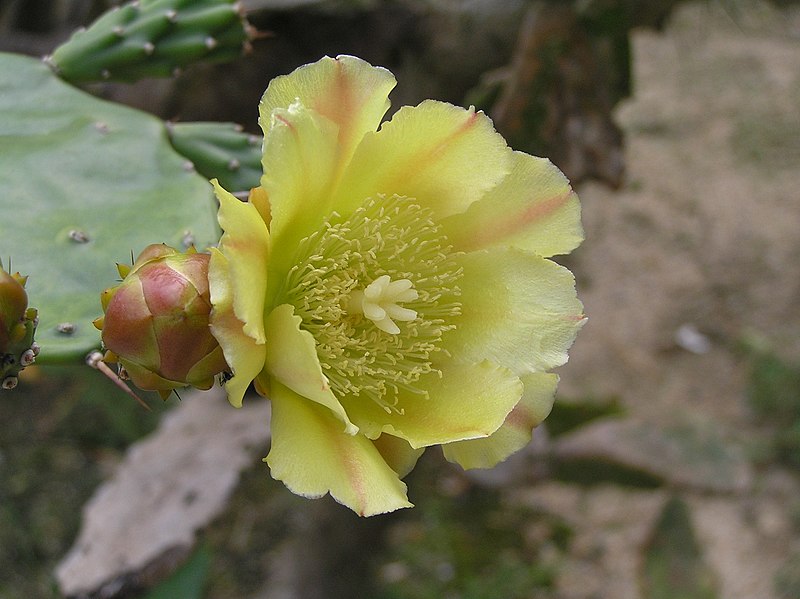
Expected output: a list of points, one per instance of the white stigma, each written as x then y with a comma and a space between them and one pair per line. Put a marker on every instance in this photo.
379, 302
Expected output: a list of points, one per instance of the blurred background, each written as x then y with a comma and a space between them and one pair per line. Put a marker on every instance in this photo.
669, 466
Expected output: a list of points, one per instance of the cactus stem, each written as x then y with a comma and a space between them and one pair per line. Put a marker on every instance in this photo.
78, 236
65, 328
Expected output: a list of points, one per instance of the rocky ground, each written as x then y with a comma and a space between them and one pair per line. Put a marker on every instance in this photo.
682, 272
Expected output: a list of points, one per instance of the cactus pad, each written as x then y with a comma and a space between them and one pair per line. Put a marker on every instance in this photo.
220, 151
85, 184
152, 38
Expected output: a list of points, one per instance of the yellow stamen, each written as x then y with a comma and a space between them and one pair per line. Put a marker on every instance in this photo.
348, 283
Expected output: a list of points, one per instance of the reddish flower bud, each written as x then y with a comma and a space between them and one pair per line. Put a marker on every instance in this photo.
17, 327
156, 321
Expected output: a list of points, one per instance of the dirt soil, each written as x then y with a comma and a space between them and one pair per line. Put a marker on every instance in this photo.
704, 238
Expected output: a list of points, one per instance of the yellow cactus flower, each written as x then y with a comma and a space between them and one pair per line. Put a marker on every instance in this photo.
388, 285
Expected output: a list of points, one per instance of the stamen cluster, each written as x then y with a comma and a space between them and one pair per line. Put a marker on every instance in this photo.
387, 246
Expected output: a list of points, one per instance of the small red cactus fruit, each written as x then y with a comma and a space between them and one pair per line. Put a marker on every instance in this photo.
156, 322
17, 327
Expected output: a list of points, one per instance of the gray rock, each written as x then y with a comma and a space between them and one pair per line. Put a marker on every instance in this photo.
142, 522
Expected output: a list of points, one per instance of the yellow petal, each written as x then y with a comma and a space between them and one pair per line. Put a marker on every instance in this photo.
299, 160
533, 208
444, 156
468, 401
400, 456
517, 309
291, 359
517, 430
312, 456
245, 244
244, 355
345, 90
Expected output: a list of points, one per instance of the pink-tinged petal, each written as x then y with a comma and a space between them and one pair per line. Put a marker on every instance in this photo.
533, 208
291, 359
346, 90
312, 456
517, 309
245, 244
400, 456
444, 156
517, 430
300, 158
128, 326
244, 355
468, 401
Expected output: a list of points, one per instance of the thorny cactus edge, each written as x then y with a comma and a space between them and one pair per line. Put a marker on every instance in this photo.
156, 322
17, 328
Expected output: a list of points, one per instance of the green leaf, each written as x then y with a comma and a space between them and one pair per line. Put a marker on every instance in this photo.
85, 183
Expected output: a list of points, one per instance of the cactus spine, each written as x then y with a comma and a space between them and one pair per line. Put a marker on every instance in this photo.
152, 39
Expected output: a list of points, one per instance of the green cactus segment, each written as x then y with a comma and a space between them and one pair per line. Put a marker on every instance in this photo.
85, 184
152, 39
220, 151
19, 353
17, 328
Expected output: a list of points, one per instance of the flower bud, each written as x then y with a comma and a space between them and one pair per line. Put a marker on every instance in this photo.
156, 321
17, 327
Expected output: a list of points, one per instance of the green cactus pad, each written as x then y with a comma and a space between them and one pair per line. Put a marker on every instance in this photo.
152, 39
85, 183
220, 151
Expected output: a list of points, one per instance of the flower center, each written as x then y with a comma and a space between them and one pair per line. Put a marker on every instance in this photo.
377, 290
379, 302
